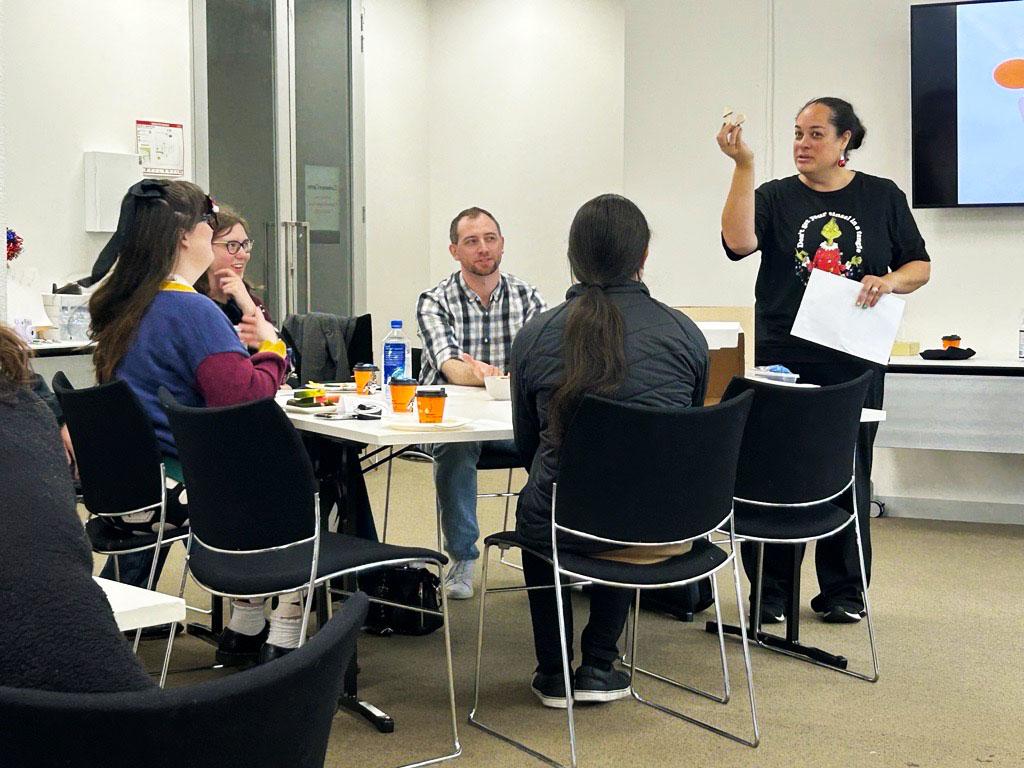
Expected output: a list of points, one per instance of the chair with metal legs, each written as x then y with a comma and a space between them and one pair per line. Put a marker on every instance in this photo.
794, 468
614, 491
121, 469
256, 528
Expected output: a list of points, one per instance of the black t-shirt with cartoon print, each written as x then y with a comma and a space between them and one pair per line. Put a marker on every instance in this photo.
865, 228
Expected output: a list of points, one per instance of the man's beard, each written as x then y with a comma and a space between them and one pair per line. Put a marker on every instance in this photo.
484, 272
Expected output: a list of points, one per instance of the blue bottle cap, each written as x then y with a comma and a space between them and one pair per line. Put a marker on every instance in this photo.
396, 323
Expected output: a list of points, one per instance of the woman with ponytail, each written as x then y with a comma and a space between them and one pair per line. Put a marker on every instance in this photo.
608, 338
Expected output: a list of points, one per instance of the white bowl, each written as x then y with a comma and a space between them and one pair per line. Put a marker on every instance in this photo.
498, 387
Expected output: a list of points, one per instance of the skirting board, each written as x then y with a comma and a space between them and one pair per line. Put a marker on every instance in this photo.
953, 509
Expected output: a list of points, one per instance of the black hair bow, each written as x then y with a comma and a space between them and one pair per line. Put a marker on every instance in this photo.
145, 189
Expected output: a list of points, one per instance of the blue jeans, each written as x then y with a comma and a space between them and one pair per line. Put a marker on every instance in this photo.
455, 483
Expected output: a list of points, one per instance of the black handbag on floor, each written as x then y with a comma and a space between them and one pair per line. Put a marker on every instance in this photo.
682, 602
411, 586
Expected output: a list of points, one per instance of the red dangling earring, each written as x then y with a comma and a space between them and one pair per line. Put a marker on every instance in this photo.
842, 162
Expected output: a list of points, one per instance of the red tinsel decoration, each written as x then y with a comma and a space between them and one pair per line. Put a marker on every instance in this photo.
13, 245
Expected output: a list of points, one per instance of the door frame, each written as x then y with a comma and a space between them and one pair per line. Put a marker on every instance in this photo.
284, 128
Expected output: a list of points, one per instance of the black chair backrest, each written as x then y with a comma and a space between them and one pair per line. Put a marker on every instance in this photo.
638, 474
799, 442
115, 447
214, 724
250, 482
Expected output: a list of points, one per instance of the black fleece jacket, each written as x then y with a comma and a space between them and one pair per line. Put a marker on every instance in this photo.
57, 632
668, 367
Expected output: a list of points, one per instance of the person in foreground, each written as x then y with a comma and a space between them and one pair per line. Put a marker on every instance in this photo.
58, 633
609, 338
153, 329
467, 323
847, 223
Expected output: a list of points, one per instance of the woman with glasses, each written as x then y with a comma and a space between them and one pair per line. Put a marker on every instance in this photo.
224, 281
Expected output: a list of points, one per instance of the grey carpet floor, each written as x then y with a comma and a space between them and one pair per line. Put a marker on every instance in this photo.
947, 599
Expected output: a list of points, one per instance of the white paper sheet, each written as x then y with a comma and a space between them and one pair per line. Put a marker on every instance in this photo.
24, 301
829, 316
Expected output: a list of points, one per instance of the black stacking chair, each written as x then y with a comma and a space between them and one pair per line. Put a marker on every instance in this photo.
256, 528
612, 488
214, 724
796, 464
120, 465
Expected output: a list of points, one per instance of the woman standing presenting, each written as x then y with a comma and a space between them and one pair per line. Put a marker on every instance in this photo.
845, 222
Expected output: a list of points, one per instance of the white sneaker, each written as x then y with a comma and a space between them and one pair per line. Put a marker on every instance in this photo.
458, 582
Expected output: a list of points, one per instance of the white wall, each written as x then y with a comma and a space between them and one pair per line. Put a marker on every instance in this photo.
526, 120
396, 63
78, 76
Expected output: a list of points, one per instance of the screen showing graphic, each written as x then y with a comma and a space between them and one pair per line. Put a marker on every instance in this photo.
990, 103
967, 92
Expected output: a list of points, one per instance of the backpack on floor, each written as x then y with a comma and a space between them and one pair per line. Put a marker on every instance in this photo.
402, 584
681, 602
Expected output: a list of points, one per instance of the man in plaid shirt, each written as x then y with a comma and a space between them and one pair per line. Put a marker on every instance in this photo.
467, 324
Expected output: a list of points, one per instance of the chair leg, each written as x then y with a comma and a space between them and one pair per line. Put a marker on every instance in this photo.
504, 525
559, 599
476, 679
867, 607
750, 679
387, 498
170, 637
721, 699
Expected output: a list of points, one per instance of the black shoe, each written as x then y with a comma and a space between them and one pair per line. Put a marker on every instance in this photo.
158, 632
593, 684
236, 649
270, 652
771, 614
550, 689
842, 613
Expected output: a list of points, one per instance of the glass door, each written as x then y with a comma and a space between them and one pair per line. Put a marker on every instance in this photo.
272, 98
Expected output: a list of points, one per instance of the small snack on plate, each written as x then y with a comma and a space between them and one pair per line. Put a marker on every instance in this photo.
950, 341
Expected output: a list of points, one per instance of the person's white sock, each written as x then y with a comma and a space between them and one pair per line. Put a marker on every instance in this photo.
286, 621
247, 617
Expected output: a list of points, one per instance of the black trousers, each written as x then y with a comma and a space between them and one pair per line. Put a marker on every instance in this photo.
835, 558
609, 607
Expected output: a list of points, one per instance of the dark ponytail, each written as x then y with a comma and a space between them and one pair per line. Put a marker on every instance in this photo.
607, 245
843, 119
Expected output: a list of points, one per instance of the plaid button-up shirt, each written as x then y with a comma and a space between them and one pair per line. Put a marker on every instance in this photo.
452, 320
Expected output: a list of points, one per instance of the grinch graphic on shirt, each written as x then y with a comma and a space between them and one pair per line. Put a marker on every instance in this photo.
830, 255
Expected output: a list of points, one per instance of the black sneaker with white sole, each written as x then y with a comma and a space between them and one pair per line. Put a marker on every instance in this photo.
550, 689
841, 613
771, 614
597, 685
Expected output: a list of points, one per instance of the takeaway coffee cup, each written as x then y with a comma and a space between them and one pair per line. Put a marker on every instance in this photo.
366, 376
430, 405
402, 392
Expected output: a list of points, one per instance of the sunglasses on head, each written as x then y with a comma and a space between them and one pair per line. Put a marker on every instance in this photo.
210, 217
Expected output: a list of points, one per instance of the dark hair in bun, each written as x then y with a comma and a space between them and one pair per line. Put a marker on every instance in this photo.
843, 119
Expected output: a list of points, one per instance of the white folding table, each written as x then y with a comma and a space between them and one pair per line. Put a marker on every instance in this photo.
135, 607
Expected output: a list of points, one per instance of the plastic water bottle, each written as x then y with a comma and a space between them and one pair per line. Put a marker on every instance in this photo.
62, 329
78, 324
397, 357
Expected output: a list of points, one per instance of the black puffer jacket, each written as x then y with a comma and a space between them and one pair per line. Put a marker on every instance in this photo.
668, 366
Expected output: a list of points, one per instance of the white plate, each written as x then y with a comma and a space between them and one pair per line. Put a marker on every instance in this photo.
314, 409
409, 425
343, 386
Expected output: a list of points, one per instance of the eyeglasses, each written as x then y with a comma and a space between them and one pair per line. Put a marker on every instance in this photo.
233, 246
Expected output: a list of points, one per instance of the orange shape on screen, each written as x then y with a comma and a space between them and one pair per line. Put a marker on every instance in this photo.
1010, 74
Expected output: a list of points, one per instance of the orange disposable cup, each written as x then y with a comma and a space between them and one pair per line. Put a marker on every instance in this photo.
430, 405
364, 373
950, 341
402, 393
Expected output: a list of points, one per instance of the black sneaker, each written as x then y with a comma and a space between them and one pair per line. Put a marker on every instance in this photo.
550, 689
771, 614
842, 613
236, 649
593, 684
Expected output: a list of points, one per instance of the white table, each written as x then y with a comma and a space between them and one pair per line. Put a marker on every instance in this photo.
489, 420
135, 607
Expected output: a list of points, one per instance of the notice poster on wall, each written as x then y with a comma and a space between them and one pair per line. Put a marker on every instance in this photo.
323, 202
161, 148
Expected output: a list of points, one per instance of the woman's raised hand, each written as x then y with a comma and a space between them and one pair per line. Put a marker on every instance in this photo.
255, 329
730, 141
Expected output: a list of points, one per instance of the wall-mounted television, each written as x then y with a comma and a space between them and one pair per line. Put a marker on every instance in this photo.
967, 103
